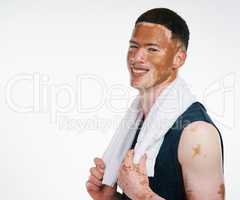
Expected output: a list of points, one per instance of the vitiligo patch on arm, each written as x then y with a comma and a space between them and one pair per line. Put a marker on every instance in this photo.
196, 150
221, 191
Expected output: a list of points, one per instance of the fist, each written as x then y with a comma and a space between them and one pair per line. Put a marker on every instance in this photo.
132, 178
94, 185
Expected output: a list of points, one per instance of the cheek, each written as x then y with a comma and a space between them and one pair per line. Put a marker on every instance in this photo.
162, 66
157, 62
130, 57
161, 61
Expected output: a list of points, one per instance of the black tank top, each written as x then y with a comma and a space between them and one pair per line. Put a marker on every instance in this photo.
168, 179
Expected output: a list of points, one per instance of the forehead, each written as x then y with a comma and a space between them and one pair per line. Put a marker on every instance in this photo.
150, 32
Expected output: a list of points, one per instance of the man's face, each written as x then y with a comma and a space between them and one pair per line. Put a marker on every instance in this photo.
150, 55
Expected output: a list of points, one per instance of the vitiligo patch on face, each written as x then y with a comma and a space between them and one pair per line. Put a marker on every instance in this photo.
146, 24
151, 48
196, 150
166, 30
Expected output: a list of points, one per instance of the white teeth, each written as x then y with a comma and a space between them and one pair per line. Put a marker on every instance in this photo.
139, 71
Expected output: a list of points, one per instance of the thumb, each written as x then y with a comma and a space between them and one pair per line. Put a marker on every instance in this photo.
143, 164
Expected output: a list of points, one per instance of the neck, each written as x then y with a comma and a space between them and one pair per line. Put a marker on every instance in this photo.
148, 96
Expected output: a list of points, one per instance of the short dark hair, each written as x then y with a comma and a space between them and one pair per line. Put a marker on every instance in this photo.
168, 19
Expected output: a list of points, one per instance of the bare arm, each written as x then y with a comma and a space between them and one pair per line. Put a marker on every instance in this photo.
200, 155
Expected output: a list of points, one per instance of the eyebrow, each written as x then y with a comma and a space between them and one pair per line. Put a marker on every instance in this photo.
147, 44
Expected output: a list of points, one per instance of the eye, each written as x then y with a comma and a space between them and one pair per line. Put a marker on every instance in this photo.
132, 46
152, 49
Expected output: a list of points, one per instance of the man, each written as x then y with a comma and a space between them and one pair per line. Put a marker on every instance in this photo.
190, 162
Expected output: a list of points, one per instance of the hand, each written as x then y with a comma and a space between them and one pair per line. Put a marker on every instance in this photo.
133, 179
94, 185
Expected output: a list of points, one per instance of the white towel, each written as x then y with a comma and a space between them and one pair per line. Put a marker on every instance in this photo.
169, 105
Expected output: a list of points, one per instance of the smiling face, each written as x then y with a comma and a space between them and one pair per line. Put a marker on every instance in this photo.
153, 56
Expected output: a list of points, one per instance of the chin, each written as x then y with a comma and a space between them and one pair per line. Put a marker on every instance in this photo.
135, 85
138, 86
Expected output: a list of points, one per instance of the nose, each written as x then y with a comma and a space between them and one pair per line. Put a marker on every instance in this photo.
139, 55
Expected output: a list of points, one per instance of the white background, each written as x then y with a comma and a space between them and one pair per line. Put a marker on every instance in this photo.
64, 86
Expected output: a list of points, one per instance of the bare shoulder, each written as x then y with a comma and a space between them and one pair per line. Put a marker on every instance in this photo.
200, 141
200, 156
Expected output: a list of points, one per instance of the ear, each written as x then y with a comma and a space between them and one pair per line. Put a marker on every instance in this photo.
179, 58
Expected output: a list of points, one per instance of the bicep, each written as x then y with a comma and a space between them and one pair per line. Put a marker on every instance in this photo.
200, 156
204, 187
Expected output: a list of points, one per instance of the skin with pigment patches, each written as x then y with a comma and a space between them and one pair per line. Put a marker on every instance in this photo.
221, 191
151, 55
190, 194
196, 150
133, 176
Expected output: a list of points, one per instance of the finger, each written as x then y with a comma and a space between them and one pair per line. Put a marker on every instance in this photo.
95, 181
99, 163
92, 187
142, 164
95, 172
128, 160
